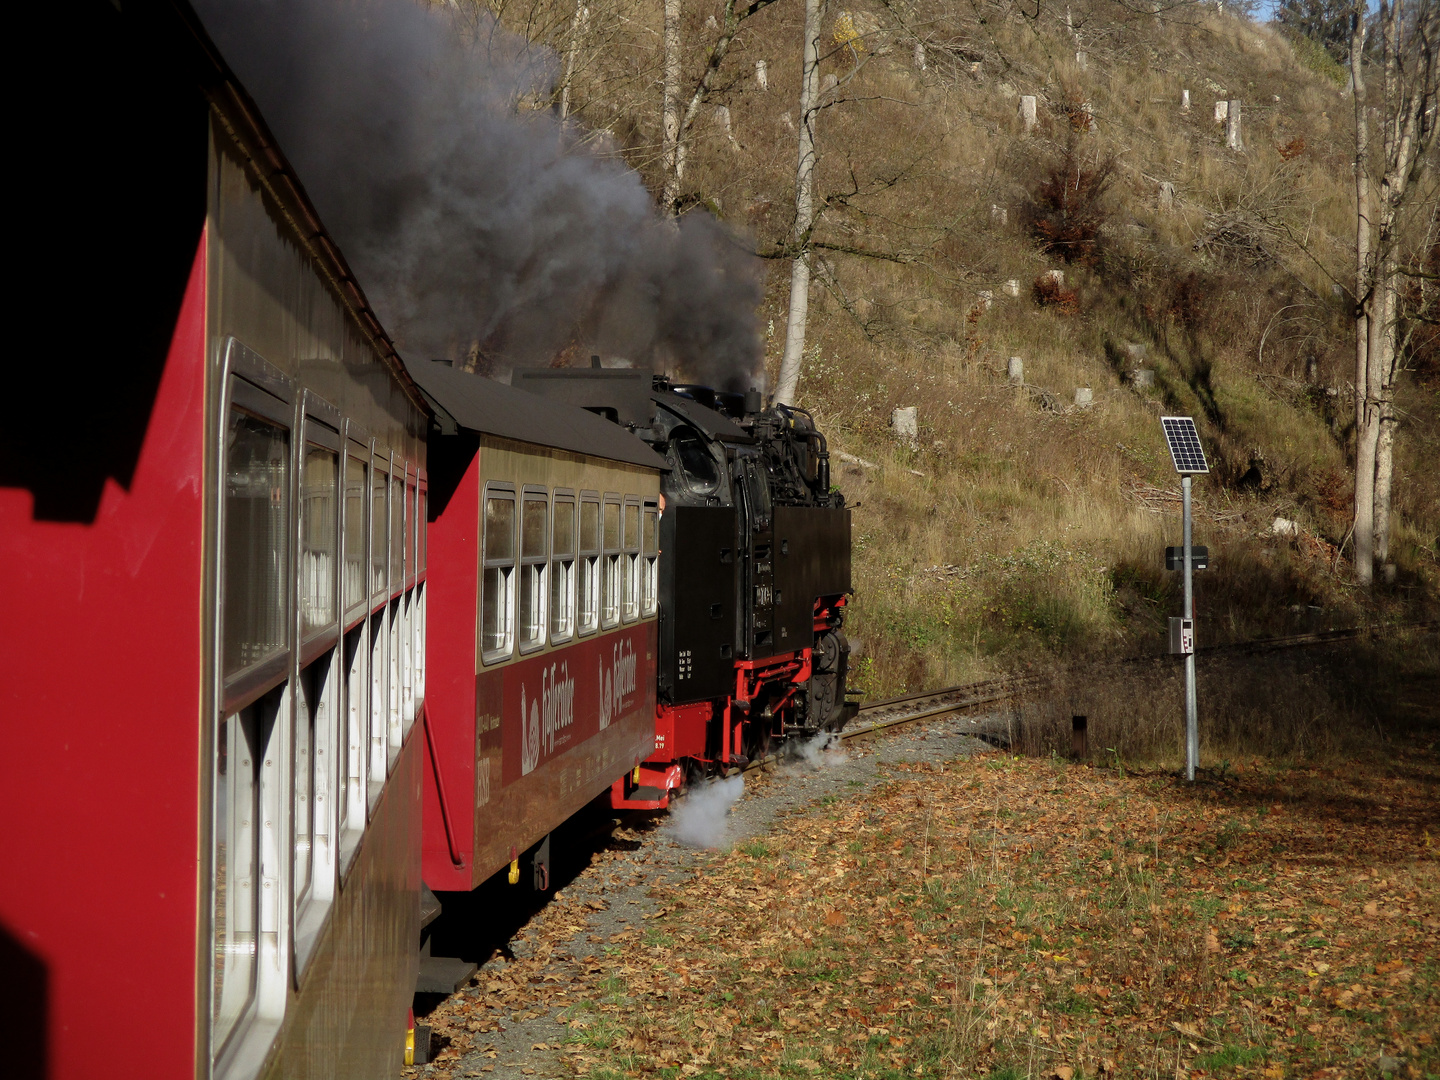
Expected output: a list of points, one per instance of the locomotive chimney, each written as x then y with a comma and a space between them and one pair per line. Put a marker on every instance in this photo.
753, 402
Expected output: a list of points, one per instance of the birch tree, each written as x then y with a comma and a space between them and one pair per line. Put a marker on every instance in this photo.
795, 324
677, 135
1406, 108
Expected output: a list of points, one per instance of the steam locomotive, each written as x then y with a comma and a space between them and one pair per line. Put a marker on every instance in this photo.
754, 578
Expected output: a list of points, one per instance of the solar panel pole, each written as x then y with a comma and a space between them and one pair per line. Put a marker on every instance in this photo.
1189, 458
1192, 722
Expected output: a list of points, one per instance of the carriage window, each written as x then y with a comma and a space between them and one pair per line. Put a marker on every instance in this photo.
649, 563
313, 875
354, 531
562, 571
319, 533
610, 568
247, 809
422, 525
257, 570
630, 565
354, 735
409, 531
397, 534
497, 593
379, 483
588, 585
379, 668
394, 677
533, 557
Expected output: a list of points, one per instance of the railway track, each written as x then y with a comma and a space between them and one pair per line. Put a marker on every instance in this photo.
909, 708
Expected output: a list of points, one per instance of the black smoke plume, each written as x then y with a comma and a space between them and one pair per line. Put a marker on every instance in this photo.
480, 227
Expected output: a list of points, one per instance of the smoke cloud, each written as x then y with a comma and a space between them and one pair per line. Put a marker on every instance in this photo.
821, 751
480, 227
698, 819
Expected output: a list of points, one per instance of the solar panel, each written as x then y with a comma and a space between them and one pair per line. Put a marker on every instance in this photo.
1185, 448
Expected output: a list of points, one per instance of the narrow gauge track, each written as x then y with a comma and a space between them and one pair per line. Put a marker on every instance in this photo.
909, 708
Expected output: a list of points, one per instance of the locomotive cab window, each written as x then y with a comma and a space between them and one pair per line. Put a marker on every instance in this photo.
588, 613
630, 563
534, 554
697, 464
562, 569
649, 568
610, 573
497, 588
758, 492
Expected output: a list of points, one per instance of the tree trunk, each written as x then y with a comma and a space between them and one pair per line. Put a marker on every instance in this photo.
572, 50
1382, 379
1384, 470
795, 325
1365, 441
671, 161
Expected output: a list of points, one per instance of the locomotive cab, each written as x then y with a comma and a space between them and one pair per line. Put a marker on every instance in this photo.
754, 572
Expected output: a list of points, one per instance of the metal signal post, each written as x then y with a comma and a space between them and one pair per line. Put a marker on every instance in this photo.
1192, 720
1189, 459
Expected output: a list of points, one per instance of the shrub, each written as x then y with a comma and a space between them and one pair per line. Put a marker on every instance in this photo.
1067, 210
1049, 292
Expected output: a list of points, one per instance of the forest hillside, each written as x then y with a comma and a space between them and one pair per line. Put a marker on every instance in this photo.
1120, 246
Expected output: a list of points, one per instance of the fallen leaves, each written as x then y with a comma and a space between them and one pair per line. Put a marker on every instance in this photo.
1065, 921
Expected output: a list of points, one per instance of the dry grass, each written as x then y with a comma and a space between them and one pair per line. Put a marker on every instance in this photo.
1316, 704
1044, 520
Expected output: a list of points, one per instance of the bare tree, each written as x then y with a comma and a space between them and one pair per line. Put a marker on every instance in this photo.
670, 110
676, 145
578, 26
789, 380
1407, 109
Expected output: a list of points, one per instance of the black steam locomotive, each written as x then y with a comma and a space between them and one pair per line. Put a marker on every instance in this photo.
754, 571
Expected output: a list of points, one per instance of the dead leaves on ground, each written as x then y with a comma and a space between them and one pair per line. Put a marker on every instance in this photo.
1045, 919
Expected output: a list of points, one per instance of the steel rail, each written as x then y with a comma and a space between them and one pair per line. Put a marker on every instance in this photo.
1007, 688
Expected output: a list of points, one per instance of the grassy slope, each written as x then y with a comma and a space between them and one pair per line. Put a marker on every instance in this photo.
1022, 531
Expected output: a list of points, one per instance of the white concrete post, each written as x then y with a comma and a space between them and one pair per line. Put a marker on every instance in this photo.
1233, 141
1028, 113
905, 421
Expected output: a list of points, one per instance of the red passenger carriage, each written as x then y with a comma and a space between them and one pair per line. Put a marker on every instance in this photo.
543, 617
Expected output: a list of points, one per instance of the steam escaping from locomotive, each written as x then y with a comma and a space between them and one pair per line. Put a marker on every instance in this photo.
698, 820
821, 751
483, 229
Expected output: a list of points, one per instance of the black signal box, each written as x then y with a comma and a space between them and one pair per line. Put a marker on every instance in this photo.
1175, 558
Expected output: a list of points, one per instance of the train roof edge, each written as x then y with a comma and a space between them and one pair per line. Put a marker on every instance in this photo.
240, 112
491, 408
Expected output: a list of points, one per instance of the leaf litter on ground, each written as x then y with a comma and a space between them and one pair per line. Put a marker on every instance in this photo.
999, 917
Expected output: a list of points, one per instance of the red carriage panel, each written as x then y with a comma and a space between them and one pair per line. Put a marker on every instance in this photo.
98, 784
